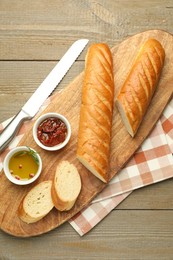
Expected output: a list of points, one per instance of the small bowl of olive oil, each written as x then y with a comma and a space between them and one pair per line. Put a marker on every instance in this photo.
22, 165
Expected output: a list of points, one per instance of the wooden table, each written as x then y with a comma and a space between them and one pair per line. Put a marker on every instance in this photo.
33, 36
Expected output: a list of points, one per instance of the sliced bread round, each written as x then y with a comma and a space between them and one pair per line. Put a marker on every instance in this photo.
37, 203
66, 186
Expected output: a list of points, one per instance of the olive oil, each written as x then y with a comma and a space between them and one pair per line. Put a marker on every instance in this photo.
23, 165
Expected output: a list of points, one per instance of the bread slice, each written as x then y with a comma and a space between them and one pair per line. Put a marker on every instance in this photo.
66, 186
37, 203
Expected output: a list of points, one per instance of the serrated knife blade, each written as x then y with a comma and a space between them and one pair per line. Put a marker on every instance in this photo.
32, 106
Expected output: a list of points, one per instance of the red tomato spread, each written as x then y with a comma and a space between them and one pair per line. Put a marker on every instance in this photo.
52, 131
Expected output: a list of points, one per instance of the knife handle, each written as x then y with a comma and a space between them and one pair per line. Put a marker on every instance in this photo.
11, 129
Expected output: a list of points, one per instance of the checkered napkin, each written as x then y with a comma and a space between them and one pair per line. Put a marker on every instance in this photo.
152, 163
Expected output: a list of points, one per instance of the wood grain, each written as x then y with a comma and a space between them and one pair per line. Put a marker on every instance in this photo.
146, 235
18, 80
63, 103
34, 30
153, 197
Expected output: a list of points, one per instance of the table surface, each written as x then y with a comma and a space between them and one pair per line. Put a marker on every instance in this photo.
33, 36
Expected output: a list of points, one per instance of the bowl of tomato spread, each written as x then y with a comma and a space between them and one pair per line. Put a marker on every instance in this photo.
52, 131
22, 165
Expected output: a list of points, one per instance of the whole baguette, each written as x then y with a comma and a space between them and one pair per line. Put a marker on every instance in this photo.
37, 203
66, 186
96, 111
137, 91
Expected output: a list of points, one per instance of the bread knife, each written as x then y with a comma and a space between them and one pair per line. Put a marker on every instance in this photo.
32, 106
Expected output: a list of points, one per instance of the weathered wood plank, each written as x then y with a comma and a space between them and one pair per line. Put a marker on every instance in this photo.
25, 76
124, 234
43, 30
155, 196
19, 79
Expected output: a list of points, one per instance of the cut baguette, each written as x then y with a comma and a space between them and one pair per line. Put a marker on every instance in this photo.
66, 186
96, 111
37, 203
137, 91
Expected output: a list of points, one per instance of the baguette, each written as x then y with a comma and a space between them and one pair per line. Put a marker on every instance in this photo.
37, 203
137, 91
66, 186
95, 122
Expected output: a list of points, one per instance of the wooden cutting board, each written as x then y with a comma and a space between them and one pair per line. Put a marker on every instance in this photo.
123, 146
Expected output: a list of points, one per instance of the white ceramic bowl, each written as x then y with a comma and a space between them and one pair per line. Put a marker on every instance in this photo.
7, 171
44, 117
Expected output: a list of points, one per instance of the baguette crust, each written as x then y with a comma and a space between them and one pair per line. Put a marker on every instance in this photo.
139, 87
96, 111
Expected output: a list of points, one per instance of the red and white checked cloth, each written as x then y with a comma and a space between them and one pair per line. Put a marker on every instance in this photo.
152, 163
